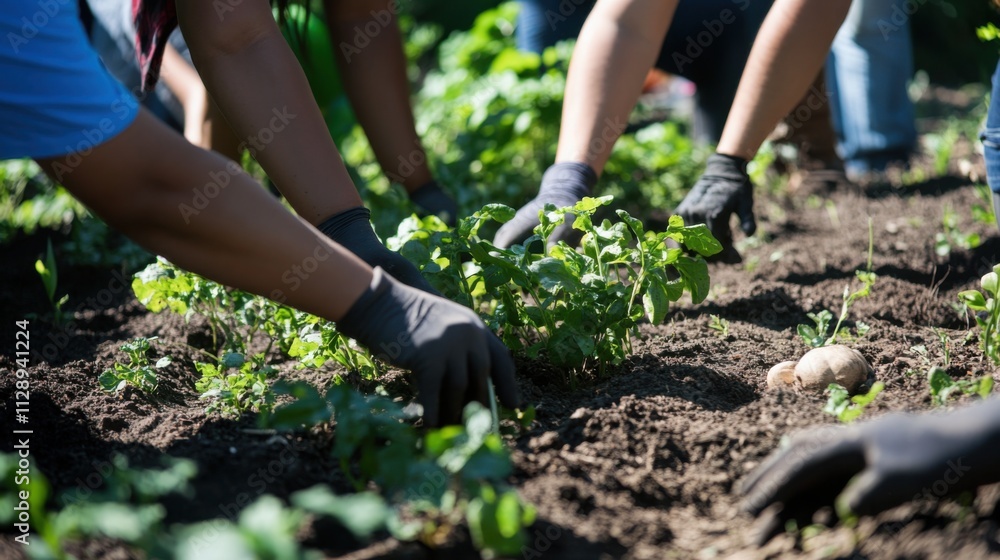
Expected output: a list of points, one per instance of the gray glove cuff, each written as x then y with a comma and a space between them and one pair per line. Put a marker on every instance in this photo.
726, 167
349, 223
567, 179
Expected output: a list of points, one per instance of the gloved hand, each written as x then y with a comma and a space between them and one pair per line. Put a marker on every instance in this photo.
563, 184
896, 458
446, 346
353, 229
723, 189
434, 201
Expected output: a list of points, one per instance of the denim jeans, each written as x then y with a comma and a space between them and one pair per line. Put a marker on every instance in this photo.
869, 65
991, 136
708, 43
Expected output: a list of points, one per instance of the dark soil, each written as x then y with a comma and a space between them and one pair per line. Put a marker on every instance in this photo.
640, 465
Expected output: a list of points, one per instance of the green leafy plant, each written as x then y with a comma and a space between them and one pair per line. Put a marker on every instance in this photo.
719, 325
847, 408
816, 336
126, 508
988, 312
235, 384
234, 381
430, 482
982, 212
137, 372
578, 308
952, 236
943, 386
47, 269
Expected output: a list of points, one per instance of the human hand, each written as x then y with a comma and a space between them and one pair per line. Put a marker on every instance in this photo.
564, 184
353, 229
452, 353
723, 189
871, 467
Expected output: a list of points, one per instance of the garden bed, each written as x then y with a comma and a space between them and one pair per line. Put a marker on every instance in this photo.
642, 464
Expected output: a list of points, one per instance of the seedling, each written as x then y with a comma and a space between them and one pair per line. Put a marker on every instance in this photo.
236, 385
987, 312
847, 408
452, 473
943, 386
952, 237
817, 336
138, 372
983, 212
719, 325
49, 273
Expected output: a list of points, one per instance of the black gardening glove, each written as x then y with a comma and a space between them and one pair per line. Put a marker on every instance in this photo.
874, 466
446, 346
353, 229
564, 184
723, 189
435, 202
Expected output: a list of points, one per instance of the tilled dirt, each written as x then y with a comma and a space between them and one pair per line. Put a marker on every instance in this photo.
642, 464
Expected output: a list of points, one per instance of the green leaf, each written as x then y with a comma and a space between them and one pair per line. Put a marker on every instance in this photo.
694, 273
553, 275
698, 238
233, 360
989, 283
656, 300
509, 514
939, 382
363, 514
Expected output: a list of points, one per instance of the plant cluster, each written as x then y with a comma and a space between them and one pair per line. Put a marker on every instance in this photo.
952, 236
987, 312
137, 372
577, 308
943, 386
847, 408
429, 483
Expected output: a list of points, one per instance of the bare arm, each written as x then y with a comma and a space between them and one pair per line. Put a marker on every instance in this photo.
789, 51
616, 48
256, 80
374, 77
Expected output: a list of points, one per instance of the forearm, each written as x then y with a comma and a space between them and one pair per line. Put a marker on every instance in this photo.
179, 76
258, 84
789, 51
616, 49
205, 214
374, 76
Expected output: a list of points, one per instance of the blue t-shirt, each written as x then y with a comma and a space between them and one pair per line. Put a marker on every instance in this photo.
55, 96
